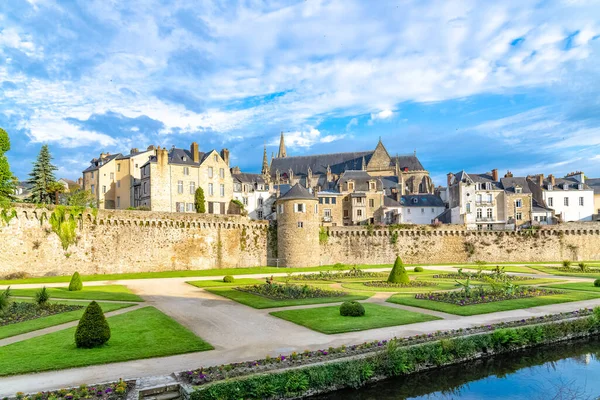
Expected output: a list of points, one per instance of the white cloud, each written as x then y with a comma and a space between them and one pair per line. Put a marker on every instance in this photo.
351, 123
384, 114
305, 138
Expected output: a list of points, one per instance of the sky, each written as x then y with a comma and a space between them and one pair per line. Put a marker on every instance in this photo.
473, 85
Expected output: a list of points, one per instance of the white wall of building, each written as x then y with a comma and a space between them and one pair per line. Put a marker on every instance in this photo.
574, 210
420, 215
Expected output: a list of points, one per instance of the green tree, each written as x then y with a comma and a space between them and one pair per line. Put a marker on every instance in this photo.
76, 284
42, 178
56, 189
398, 273
92, 330
7, 179
199, 201
81, 198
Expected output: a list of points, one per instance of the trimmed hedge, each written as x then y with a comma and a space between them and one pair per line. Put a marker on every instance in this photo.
392, 361
597, 283
398, 273
418, 269
76, 283
352, 309
228, 279
92, 330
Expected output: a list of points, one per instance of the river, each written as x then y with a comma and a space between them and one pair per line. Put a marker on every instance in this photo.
561, 372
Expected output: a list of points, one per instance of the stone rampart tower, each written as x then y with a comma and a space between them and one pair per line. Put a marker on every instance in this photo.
298, 228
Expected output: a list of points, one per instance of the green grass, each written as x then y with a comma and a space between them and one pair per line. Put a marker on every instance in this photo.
220, 283
442, 285
508, 268
260, 302
328, 319
409, 300
142, 333
108, 292
555, 271
52, 320
582, 286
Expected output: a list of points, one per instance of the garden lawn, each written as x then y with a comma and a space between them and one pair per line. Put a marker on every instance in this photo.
328, 319
475, 309
555, 271
442, 285
255, 301
108, 292
508, 268
56, 319
583, 286
220, 283
142, 333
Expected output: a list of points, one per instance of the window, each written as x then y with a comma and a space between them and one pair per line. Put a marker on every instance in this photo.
433, 210
581, 201
327, 213
550, 186
145, 187
371, 203
326, 200
186, 170
119, 183
345, 198
300, 224
179, 186
112, 176
192, 187
136, 165
478, 198
210, 189
519, 216
518, 203
489, 213
333, 199
210, 172
321, 199
345, 213
359, 213
566, 201
488, 186
535, 218
550, 201
580, 186
565, 186
518, 190
350, 186
245, 201
422, 211
92, 174
279, 208
103, 189
490, 198
180, 207
299, 208
479, 213
222, 190
259, 214
260, 201
190, 207
490, 227
93, 189
316, 208
222, 173
408, 210
543, 218
216, 158
468, 207
119, 167
118, 201
371, 185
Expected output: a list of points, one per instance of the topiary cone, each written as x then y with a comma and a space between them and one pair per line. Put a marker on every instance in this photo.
76, 283
398, 273
93, 330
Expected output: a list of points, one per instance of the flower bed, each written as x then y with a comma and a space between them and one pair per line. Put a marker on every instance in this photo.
21, 312
384, 284
572, 270
485, 295
482, 277
337, 275
202, 376
289, 291
110, 391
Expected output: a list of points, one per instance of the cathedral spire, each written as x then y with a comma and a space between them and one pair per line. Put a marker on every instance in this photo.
265, 163
282, 153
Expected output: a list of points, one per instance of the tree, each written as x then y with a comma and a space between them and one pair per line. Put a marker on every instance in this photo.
92, 330
398, 274
7, 179
81, 198
76, 284
56, 189
42, 177
199, 201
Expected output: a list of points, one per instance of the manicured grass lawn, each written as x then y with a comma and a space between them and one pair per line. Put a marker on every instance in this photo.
555, 271
263, 302
583, 286
442, 285
328, 319
57, 319
142, 333
108, 292
220, 283
409, 300
508, 268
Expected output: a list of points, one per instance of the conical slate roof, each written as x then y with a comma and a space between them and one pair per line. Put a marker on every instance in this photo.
297, 192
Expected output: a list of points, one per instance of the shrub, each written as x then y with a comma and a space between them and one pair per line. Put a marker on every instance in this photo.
566, 263
228, 279
92, 330
76, 284
5, 299
398, 273
339, 266
597, 283
17, 275
582, 266
418, 269
42, 297
352, 309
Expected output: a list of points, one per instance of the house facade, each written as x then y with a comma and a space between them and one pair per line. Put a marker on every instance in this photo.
254, 193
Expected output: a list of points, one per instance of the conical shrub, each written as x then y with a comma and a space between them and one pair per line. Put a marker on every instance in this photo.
93, 330
398, 273
76, 283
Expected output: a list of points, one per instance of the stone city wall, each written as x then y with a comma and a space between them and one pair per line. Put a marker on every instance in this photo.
115, 241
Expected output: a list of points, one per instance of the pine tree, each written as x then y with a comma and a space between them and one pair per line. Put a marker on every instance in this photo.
199, 201
92, 330
42, 178
76, 284
7, 179
398, 273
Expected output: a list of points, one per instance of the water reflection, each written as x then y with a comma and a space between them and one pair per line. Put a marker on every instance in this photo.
561, 372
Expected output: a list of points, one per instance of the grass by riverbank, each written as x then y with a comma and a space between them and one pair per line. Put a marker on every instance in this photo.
142, 333
485, 308
264, 302
108, 292
328, 319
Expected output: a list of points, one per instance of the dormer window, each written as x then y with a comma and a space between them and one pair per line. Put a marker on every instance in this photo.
518, 190
580, 186
488, 186
184, 158
371, 185
350, 186
549, 186
565, 186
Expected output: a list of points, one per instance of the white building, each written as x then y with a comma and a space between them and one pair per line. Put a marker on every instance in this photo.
253, 192
420, 209
569, 197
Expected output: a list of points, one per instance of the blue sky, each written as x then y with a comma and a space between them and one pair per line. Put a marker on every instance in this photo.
469, 85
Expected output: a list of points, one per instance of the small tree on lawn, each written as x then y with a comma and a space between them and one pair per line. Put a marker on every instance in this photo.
199, 201
398, 274
76, 284
42, 178
93, 330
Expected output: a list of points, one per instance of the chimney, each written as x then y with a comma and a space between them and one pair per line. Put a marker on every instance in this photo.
552, 180
162, 157
151, 147
579, 176
134, 151
540, 180
495, 175
80, 181
450, 176
225, 156
236, 170
195, 150
508, 174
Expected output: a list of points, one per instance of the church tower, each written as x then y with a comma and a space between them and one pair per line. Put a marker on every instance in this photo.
266, 173
282, 153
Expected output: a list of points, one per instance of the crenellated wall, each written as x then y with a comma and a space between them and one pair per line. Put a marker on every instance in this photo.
115, 241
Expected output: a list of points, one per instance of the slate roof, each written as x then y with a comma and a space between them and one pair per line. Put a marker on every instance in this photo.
297, 192
594, 184
361, 180
509, 184
573, 184
94, 163
537, 207
71, 183
182, 157
421, 200
390, 202
248, 178
478, 178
